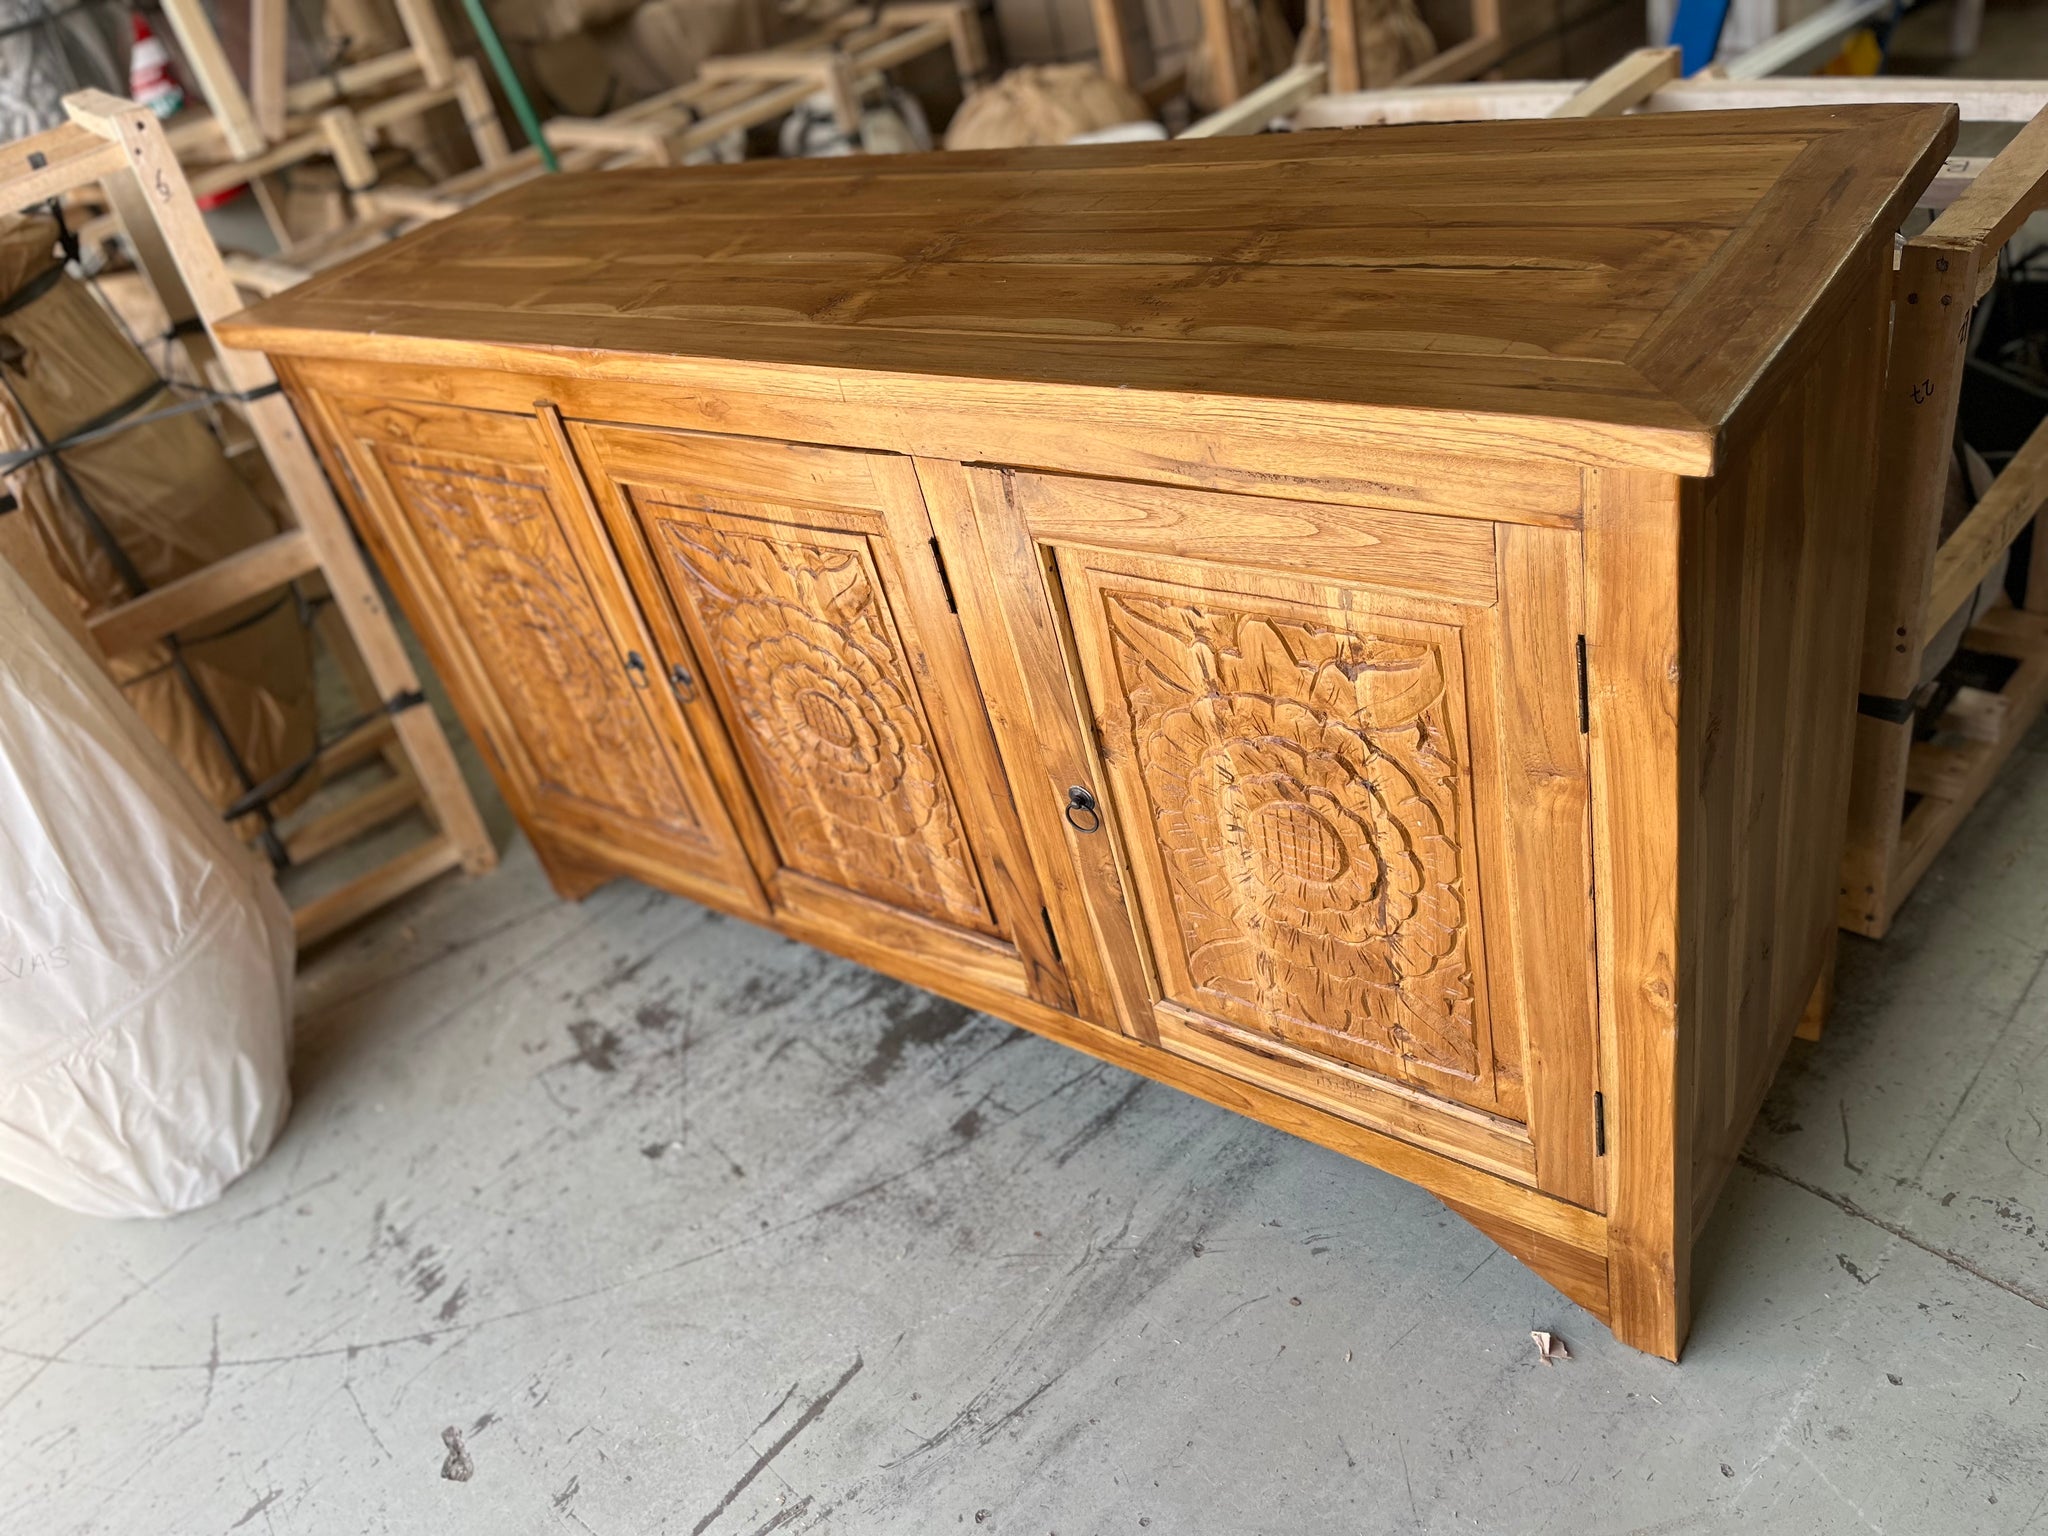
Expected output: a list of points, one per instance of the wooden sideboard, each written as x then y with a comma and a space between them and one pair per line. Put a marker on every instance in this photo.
1361, 627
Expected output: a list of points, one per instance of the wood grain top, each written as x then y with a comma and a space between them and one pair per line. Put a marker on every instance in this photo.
1608, 290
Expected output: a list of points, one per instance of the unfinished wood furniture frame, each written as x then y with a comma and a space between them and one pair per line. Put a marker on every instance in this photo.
1911, 795
122, 148
1461, 61
730, 94
247, 135
1623, 85
1425, 727
1260, 105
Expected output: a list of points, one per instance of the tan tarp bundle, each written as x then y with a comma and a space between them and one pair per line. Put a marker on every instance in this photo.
1043, 104
171, 500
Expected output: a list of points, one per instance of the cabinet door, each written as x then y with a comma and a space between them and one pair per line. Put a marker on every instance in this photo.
807, 583
1338, 752
512, 585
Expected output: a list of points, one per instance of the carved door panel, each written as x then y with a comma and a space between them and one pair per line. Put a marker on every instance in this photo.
1343, 772
512, 585
807, 583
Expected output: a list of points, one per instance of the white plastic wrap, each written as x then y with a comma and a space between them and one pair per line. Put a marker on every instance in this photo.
145, 955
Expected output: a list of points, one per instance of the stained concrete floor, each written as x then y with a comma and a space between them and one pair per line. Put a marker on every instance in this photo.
658, 1223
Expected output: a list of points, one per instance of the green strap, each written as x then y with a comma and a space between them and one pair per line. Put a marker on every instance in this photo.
501, 66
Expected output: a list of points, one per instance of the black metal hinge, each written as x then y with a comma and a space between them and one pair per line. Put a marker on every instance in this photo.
1599, 1125
1585, 695
945, 580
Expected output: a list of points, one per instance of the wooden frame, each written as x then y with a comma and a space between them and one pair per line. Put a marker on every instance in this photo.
123, 148
247, 135
1249, 110
1911, 796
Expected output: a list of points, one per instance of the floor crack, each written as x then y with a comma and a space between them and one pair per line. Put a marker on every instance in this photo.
1849, 1207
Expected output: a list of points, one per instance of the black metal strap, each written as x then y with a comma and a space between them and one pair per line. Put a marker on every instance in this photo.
120, 418
1878, 707
33, 289
258, 797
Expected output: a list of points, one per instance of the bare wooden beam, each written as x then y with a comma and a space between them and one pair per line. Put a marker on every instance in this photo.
327, 915
210, 590
1998, 202
201, 47
1251, 112
268, 93
1628, 83
2016, 497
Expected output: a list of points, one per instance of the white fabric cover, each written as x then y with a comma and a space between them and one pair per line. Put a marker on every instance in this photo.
145, 955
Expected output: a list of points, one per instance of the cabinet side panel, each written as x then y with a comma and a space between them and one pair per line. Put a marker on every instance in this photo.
1774, 570
1640, 845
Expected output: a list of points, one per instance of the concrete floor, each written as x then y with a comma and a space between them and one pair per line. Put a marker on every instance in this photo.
675, 1226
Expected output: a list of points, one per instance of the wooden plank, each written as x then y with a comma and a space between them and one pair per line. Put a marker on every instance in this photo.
1345, 64
361, 813
1460, 61
2001, 199
325, 916
210, 590
200, 45
1923, 383
1251, 112
429, 40
350, 146
480, 114
1814, 1017
1623, 85
648, 142
2016, 498
2023, 636
1633, 651
1979, 101
269, 97
1123, 42
963, 30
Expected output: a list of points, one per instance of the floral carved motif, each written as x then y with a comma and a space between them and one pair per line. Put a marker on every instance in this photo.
504, 561
1304, 790
813, 666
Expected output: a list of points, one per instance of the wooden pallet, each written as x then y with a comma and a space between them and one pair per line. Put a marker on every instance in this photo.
123, 149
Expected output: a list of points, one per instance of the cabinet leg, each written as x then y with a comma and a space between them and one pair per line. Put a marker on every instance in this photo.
1815, 1018
571, 878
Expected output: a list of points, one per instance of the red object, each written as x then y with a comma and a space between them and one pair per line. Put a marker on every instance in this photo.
150, 78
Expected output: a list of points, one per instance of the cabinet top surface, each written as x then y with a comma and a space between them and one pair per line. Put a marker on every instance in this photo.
1609, 287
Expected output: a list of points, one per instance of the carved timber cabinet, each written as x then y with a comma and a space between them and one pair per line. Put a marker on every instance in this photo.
1361, 627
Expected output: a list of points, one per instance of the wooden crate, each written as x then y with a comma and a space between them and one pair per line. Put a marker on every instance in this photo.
1910, 796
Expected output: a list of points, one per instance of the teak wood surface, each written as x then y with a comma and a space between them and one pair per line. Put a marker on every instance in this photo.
1363, 628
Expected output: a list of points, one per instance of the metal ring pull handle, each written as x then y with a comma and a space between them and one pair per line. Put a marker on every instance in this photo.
1083, 814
